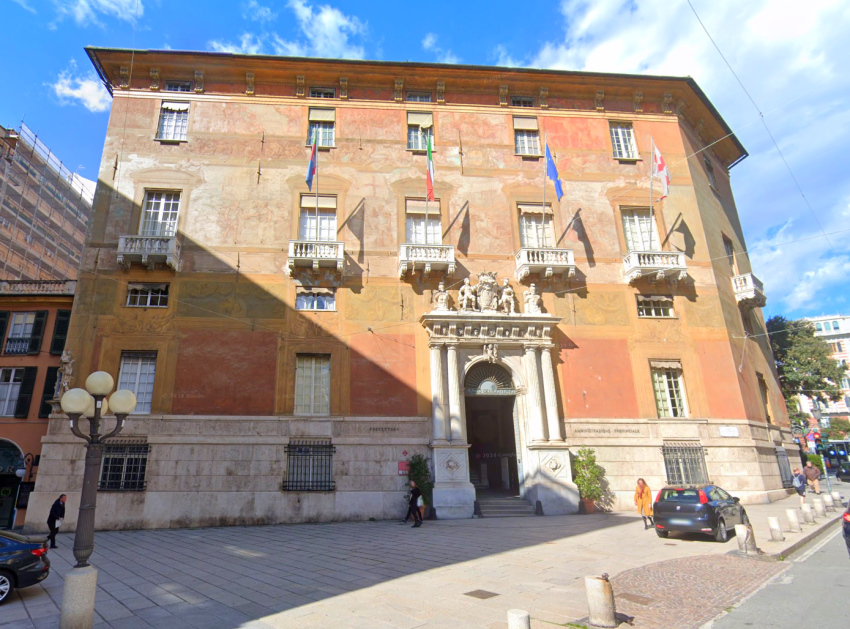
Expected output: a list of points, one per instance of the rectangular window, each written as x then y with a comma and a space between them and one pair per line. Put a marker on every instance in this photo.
639, 230
729, 248
669, 388
161, 208
419, 97
147, 295
418, 230
178, 86
318, 224
313, 300
420, 127
845, 383
309, 465
526, 136
10, 387
836, 347
123, 467
322, 92
20, 333
137, 373
765, 400
535, 226
522, 101
709, 171
312, 384
623, 140
655, 306
685, 463
173, 121
322, 126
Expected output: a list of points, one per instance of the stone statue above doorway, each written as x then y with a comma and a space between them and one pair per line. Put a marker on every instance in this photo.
487, 297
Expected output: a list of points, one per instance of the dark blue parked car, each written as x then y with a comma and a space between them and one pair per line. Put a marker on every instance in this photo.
23, 562
705, 509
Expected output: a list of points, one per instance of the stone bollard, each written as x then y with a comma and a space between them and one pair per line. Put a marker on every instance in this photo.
746, 538
775, 530
793, 520
829, 502
518, 619
600, 602
837, 498
820, 507
808, 514
78, 598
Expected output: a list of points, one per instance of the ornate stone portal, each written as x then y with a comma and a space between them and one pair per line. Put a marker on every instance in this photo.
487, 328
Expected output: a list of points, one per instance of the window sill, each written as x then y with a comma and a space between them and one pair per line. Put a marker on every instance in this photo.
421, 151
315, 310
644, 317
167, 141
528, 156
320, 147
628, 160
146, 307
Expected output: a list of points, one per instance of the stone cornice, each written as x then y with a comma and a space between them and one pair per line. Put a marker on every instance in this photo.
476, 328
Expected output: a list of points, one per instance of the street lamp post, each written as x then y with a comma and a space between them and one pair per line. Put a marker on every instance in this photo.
81, 582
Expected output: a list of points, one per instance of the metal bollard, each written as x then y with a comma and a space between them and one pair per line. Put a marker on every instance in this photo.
746, 538
837, 498
518, 619
775, 530
600, 602
793, 520
820, 507
808, 514
829, 502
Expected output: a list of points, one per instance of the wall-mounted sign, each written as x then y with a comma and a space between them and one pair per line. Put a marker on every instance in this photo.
729, 431
403, 468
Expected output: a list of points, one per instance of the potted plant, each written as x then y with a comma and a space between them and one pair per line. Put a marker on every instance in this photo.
588, 477
420, 472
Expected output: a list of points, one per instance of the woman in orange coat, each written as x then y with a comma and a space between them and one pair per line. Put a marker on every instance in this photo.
643, 502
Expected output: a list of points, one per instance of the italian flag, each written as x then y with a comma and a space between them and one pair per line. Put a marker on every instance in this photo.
429, 183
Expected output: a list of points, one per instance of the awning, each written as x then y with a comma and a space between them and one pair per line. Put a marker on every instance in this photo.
534, 208
417, 206
423, 119
665, 364
171, 106
525, 123
322, 115
326, 202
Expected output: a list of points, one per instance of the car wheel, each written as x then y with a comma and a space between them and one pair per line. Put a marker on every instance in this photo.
745, 519
7, 585
662, 534
721, 534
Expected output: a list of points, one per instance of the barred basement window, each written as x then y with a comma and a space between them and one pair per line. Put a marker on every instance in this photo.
310, 465
123, 467
684, 462
147, 295
669, 388
655, 306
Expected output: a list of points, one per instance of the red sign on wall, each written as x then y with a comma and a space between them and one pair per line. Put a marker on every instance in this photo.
403, 468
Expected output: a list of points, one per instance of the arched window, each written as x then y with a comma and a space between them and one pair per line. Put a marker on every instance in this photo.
818, 327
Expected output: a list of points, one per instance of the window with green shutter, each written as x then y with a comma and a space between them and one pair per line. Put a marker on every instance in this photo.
60, 331
48, 392
22, 408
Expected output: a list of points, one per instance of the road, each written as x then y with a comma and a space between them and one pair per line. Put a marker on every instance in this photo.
814, 591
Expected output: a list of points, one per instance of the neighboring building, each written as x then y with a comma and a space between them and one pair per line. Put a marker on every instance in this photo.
835, 330
34, 318
44, 210
291, 348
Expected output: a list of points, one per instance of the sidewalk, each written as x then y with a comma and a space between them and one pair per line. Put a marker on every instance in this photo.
453, 573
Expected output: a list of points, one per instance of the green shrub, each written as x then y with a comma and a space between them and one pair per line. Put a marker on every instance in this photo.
816, 461
589, 474
420, 472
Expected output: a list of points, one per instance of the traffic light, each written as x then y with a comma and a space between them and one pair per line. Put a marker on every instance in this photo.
818, 444
817, 437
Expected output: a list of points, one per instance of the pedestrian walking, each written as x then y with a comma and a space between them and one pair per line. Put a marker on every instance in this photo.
643, 502
799, 482
54, 519
812, 475
413, 505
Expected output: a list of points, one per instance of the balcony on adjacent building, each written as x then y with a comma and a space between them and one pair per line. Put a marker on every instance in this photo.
427, 258
749, 291
546, 262
657, 266
316, 254
149, 250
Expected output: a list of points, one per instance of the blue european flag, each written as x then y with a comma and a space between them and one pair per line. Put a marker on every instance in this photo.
552, 173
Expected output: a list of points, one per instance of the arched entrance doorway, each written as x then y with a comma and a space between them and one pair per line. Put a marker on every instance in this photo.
490, 397
11, 460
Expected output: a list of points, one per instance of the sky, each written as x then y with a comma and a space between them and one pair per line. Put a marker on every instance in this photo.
790, 88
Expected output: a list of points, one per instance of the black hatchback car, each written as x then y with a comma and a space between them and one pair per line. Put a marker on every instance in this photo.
843, 473
23, 562
697, 509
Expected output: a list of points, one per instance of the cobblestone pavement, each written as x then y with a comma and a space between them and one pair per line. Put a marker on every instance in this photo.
377, 574
688, 592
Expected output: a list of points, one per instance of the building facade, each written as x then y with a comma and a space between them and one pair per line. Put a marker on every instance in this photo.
44, 210
291, 346
835, 330
34, 319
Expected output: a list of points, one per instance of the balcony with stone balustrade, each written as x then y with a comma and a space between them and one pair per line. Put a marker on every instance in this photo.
656, 266
315, 255
150, 251
749, 291
547, 262
426, 258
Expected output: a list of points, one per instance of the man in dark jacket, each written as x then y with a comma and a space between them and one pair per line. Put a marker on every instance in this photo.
413, 506
812, 475
57, 514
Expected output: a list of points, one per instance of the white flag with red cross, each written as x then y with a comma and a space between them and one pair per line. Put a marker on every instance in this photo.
659, 169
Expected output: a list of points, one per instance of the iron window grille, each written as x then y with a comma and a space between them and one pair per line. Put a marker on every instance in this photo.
123, 467
784, 467
685, 463
309, 465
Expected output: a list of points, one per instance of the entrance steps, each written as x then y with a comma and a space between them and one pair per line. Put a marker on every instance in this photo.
475, 478
503, 506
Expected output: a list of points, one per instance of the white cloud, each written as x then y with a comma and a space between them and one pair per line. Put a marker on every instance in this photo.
444, 55
249, 44
791, 57
256, 12
504, 58
24, 5
85, 12
87, 91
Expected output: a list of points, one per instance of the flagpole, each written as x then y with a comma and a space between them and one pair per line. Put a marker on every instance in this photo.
651, 177
543, 209
428, 145
316, 144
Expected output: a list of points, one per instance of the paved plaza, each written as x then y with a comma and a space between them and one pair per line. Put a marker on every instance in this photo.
382, 574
